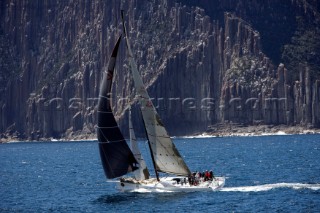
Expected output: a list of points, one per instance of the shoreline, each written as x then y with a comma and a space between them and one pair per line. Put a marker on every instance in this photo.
77, 138
280, 133
215, 131
236, 130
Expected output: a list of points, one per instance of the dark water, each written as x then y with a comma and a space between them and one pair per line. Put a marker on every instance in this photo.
264, 174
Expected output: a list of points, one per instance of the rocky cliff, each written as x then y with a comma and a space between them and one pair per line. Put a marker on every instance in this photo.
203, 63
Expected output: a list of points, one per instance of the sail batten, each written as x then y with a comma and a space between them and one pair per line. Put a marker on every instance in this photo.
116, 156
159, 140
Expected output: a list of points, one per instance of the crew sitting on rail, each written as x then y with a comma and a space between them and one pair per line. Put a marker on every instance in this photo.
196, 177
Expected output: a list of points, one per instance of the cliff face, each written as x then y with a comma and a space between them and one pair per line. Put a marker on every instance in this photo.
60, 48
200, 69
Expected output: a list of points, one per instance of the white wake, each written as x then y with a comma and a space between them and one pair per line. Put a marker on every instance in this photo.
267, 187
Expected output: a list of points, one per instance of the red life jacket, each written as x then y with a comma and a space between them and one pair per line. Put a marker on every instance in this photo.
207, 174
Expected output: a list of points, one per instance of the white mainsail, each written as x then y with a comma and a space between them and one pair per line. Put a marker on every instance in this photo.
166, 156
142, 173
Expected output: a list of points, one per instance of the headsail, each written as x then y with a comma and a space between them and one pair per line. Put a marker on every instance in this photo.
166, 156
142, 173
116, 156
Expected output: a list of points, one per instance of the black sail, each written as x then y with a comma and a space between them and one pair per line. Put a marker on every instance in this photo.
116, 156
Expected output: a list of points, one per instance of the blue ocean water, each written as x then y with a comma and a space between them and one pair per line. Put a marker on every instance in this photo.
264, 174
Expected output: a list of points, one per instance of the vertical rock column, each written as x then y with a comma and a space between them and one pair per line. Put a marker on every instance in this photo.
282, 97
315, 104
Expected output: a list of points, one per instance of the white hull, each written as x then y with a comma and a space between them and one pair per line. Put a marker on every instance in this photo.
168, 184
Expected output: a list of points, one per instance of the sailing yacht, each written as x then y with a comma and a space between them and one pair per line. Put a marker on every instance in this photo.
165, 156
118, 159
